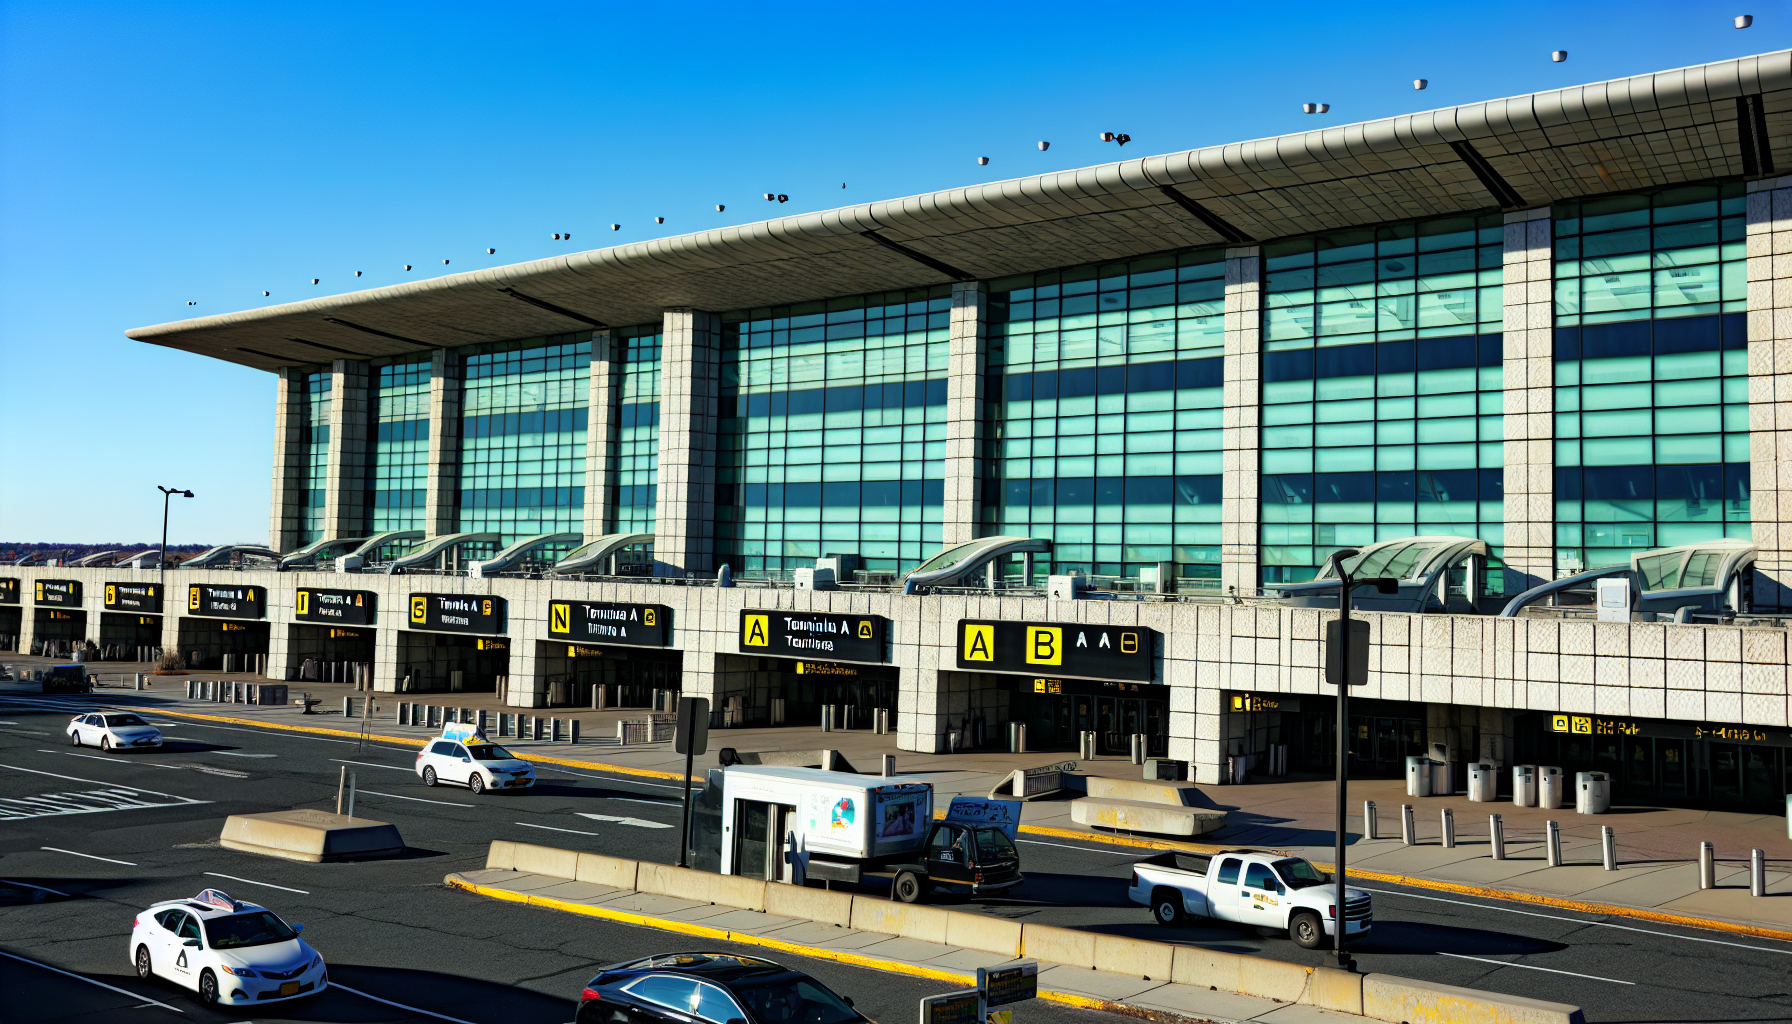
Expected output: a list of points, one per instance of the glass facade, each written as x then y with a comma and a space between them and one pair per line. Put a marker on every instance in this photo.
833, 431
1104, 407
1651, 366
522, 448
1381, 389
398, 443
316, 430
638, 437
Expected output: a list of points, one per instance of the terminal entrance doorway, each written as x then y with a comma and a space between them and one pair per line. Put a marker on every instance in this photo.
330, 653
11, 621
1383, 734
205, 642
451, 663
787, 691
1057, 710
55, 631
129, 637
627, 675
1671, 762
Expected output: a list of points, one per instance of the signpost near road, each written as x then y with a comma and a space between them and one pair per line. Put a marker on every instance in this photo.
691, 739
996, 986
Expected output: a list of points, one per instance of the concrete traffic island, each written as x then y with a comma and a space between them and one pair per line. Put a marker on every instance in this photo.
312, 836
1163, 808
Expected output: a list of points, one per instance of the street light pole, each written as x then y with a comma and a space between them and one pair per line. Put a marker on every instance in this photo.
162, 555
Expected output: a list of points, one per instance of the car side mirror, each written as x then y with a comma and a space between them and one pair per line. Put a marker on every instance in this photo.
191, 942
466, 760
849, 1002
297, 928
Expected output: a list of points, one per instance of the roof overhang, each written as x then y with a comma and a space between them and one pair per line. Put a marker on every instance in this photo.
1724, 120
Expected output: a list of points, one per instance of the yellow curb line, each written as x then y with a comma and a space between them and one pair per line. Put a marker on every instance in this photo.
1557, 902
766, 942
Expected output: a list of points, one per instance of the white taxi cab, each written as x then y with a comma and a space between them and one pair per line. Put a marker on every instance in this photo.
463, 756
230, 952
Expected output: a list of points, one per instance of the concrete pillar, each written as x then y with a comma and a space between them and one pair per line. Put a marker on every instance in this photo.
1240, 567
966, 363
345, 484
1528, 367
387, 672
601, 430
282, 664
528, 680
441, 511
923, 707
286, 509
1770, 387
690, 383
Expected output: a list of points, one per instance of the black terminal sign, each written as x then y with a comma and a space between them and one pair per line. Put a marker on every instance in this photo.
337, 607
457, 613
9, 590
813, 635
228, 602
58, 593
602, 622
133, 597
1062, 648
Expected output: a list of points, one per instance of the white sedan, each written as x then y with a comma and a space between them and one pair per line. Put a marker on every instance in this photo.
230, 952
474, 762
113, 731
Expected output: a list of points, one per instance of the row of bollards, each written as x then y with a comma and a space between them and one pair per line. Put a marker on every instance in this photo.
516, 726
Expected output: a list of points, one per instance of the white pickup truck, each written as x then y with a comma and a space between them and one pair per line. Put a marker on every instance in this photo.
1259, 889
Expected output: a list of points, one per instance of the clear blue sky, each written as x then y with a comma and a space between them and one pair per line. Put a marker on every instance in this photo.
152, 154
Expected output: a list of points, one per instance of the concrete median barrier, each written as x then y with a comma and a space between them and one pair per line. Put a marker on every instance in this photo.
689, 884
1141, 958
905, 919
808, 904
1060, 945
1141, 816
311, 836
1388, 998
545, 860
601, 870
983, 933
1331, 989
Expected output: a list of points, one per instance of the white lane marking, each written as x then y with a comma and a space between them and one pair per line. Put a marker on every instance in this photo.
9, 723
414, 799
1576, 920
287, 735
89, 856
1528, 967
110, 798
147, 1001
251, 881
370, 764
388, 1002
606, 778
636, 800
108, 760
40, 888
637, 822
1084, 849
551, 828
238, 753
93, 782
229, 773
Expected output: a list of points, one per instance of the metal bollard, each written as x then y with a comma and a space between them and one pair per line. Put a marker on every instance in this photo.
348, 707
1608, 843
1496, 836
1138, 748
889, 765
1553, 843
572, 730
1406, 826
1449, 827
827, 718
341, 785
1757, 873
1370, 830
1707, 866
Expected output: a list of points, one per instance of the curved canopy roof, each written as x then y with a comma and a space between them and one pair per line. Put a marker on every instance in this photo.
515, 553
1661, 128
1405, 558
955, 564
593, 552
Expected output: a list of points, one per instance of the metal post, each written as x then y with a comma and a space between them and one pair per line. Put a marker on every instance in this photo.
351, 796
1370, 825
1496, 836
1608, 843
1449, 827
889, 765
1757, 873
341, 784
1406, 825
1138, 748
1553, 843
1707, 866
1341, 727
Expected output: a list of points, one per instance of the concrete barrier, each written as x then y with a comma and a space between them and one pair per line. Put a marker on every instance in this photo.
983, 933
808, 904
1176, 794
908, 920
545, 860
601, 870
502, 856
1140, 958
1388, 998
1331, 989
1234, 972
1144, 816
1060, 945
690, 884
310, 835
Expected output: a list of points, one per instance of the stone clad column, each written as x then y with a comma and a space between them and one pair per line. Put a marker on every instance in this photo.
1770, 387
441, 502
1528, 376
601, 430
345, 485
690, 391
286, 507
1240, 568
966, 364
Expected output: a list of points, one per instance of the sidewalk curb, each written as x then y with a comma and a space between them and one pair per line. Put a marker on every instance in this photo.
817, 952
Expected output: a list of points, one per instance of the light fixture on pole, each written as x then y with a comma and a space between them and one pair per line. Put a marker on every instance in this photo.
162, 555
1344, 668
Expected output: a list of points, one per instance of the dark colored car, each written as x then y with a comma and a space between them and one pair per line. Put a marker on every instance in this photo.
710, 988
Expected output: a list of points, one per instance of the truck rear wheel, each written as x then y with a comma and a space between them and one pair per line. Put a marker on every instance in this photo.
1306, 931
910, 887
1166, 907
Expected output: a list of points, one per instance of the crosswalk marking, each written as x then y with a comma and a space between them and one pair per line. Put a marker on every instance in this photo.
93, 801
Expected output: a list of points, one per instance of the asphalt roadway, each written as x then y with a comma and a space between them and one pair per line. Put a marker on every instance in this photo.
404, 947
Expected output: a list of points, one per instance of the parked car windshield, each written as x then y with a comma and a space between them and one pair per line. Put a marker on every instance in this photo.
794, 999
1298, 873
240, 930
490, 752
124, 720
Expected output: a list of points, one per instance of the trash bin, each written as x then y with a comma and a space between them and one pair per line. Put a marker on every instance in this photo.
1483, 783
1418, 776
1524, 785
1550, 786
1442, 781
1592, 792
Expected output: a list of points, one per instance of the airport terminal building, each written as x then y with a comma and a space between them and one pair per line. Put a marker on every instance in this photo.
1075, 450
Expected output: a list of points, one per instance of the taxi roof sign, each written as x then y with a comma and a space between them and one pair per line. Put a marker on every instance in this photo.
465, 732
216, 898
